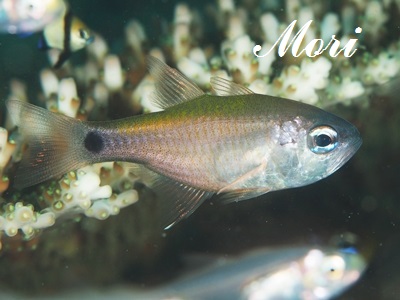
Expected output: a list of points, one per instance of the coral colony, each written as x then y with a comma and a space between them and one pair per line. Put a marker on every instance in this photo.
335, 57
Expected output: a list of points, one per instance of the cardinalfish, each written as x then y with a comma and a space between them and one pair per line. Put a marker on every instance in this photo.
68, 34
234, 143
267, 274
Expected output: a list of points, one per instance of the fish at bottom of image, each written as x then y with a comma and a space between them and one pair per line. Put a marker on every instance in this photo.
268, 273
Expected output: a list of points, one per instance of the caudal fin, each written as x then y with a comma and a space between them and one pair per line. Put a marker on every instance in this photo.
54, 143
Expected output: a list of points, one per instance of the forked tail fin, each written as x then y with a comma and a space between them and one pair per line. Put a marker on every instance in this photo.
54, 143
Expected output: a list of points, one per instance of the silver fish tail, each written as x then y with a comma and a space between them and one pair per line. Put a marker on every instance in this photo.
54, 143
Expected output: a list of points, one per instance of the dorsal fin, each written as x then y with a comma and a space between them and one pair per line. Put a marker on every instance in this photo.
172, 87
223, 87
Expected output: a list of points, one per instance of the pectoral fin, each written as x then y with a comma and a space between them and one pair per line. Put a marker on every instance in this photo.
238, 191
241, 181
242, 194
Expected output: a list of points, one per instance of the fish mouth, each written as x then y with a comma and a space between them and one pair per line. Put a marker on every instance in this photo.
90, 40
347, 152
353, 146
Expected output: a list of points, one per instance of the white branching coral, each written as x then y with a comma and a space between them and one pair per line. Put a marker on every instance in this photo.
68, 100
271, 27
18, 90
81, 192
301, 83
343, 90
374, 19
113, 75
330, 25
60, 95
98, 49
316, 82
77, 192
143, 95
238, 57
103, 208
196, 67
381, 69
181, 35
135, 37
49, 83
22, 217
226, 5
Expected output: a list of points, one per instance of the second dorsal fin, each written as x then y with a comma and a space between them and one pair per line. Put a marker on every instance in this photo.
223, 87
172, 87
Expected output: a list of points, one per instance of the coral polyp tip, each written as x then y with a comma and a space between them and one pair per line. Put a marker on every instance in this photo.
24, 215
58, 205
113, 75
11, 231
68, 197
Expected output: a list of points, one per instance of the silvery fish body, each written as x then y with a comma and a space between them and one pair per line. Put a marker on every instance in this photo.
298, 273
283, 273
27, 16
234, 143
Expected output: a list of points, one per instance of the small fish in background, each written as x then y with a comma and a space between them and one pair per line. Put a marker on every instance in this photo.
68, 34
298, 273
28, 16
235, 143
281, 273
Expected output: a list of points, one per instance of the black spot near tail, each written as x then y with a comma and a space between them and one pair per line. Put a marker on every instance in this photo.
94, 142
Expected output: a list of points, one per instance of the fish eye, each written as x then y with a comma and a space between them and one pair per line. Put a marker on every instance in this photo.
83, 34
34, 9
31, 5
322, 139
333, 267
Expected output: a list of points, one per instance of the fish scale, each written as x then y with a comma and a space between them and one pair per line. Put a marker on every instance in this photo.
187, 133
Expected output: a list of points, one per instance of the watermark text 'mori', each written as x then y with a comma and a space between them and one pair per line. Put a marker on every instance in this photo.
297, 40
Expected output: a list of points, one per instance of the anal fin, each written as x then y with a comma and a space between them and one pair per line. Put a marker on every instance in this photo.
177, 200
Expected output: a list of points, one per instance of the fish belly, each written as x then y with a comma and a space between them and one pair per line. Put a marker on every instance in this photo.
212, 155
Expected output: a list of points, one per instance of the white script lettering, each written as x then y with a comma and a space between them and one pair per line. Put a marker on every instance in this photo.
348, 49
